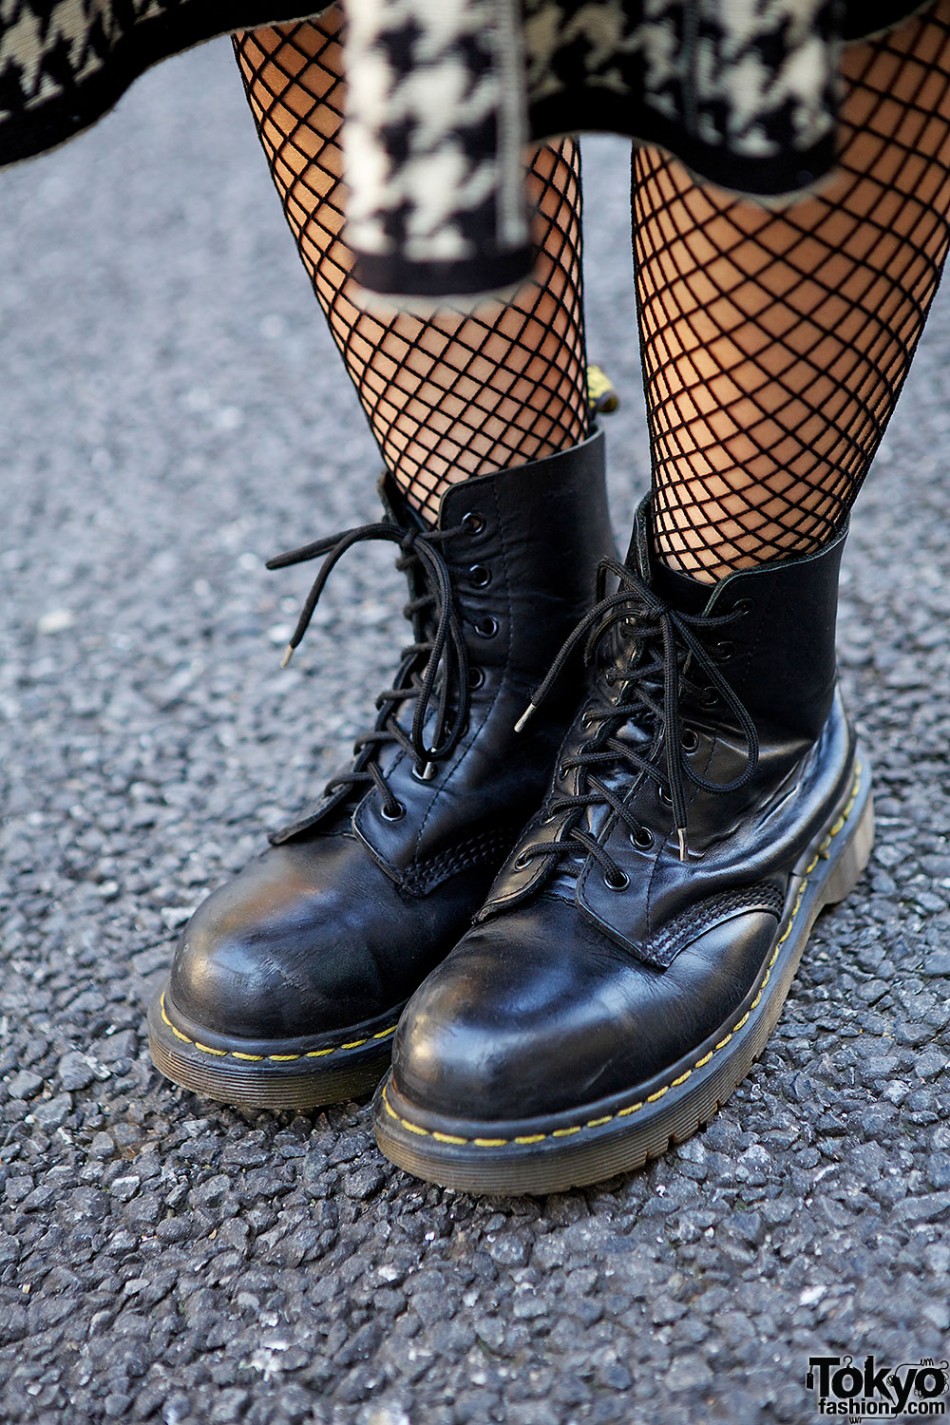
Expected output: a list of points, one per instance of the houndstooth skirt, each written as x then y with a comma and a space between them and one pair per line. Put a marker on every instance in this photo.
743, 91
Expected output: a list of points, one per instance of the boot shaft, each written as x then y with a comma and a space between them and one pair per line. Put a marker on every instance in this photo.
524, 553
515, 554
778, 655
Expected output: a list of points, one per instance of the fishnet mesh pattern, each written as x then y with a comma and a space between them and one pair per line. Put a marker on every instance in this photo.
775, 343
460, 394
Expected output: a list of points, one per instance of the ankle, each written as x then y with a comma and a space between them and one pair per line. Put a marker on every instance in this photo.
711, 555
424, 486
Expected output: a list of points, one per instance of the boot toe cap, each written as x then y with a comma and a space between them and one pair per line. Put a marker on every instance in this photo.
279, 952
513, 1026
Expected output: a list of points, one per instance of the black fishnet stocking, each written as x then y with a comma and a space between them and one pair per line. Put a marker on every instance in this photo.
457, 395
775, 343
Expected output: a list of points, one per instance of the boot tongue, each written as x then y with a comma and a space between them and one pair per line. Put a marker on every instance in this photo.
686, 595
395, 505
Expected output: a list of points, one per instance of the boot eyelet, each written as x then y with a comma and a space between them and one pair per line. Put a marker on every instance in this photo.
486, 626
664, 795
427, 773
480, 576
616, 880
398, 815
689, 740
741, 607
723, 651
588, 721
522, 861
562, 773
476, 678
706, 697
473, 522
642, 838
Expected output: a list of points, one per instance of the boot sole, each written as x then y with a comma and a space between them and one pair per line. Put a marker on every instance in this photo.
273, 1074
599, 1140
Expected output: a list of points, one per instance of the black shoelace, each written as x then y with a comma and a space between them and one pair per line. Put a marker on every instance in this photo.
668, 662
433, 672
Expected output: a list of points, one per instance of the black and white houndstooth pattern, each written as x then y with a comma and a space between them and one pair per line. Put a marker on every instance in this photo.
51, 50
736, 87
63, 63
442, 94
435, 127
750, 76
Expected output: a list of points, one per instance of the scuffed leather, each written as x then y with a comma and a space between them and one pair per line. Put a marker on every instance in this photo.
313, 937
343, 919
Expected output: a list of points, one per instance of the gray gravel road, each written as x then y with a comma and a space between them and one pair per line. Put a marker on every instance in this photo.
171, 413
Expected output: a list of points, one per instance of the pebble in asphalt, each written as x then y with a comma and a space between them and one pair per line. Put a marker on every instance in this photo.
172, 413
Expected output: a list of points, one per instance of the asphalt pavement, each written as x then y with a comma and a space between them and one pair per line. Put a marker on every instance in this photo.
172, 412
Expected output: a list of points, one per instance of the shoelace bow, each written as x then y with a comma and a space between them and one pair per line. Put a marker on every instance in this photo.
667, 644
442, 686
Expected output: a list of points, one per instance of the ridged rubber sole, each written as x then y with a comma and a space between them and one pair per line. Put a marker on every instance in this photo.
599, 1140
274, 1074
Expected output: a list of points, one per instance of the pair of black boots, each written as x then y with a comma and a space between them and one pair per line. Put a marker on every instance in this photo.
562, 999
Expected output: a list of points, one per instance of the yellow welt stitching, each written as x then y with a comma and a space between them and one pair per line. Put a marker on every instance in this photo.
267, 1058
791, 920
652, 1098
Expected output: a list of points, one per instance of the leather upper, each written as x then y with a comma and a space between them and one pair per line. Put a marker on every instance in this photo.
577, 983
340, 921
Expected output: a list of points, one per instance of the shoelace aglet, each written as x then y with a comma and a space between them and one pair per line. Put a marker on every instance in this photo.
287, 655
529, 711
681, 837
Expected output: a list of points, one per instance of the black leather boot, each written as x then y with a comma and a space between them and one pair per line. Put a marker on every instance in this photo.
638, 945
287, 984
